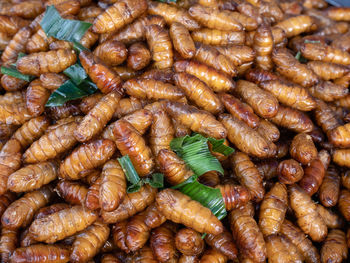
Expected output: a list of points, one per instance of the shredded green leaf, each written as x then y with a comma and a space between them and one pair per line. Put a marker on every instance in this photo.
78, 47
64, 29
76, 73
312, 41
207, 196
69, 91
156, 181
195, 152
13, 72
299, 57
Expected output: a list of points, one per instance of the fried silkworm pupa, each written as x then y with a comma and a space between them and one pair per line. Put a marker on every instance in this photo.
39, 42
127, 106
6, 131
267, 168
89, 12
48, 210
97, 118
144, 255
88, 102
345, 180
61, 112
10, 161
92, 200
188, 259
162, 131
342, 42
339, 136
297, 25
182, 40
118, 15
281, 249
111, 52
330, 188
11, 24
119, 235
41, 253
273, 210
21, 212
54, 227
197, 120
172, 14
290, 94
213, 256
73, 193
306, 213
12, 84
130, 142
341, 157
31, 131
322, 52
4, 40
161, 47
139, 56
132, 204
263, 45
289, 171
246, 233
216, 80
343, 204
292, 119
213, 58
89, 242
32, 177
245, 138
97, 152
140, 120
52, 81
334, 248
237, 54
218, 37
328, 91
331, 219
28, 9
109, 258
5, 200
189, 242
291, 68
313, 177
53, 61
136, 31
326, 117
162, 242
17, 44
188, 212
14, 114
223, 243
263, 103
8, 243
259, 75
300, 240
198, 92
36, 97
268, 130
152, 89
303, 149
215, 19
106, 79
327, 70
173, 168
234, 196
165, 75
113, 186
58, 139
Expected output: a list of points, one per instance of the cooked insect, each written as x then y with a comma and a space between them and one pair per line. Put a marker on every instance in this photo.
307, 216
58, 139
217, 81
213, 256
197, 120
331, 219
111, 52
32, 177
188, 212
313, 177
130, 142
281, 249
334, 248
139, 56
182, 40
330, 188
246, 233
21, 212
86, 157
322, 52
40, 253
344, 204
162, 242
73, 193
152, 89
303, 149
159, 41
53, 61
273, 209
327, 70
263, 45
118, 15
17, 44
8, 243
189, 242
218, 37
289, 171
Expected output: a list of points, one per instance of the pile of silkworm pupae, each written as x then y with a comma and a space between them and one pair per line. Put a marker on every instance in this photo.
270, 77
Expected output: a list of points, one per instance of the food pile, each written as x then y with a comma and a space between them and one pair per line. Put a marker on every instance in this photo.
204, 131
